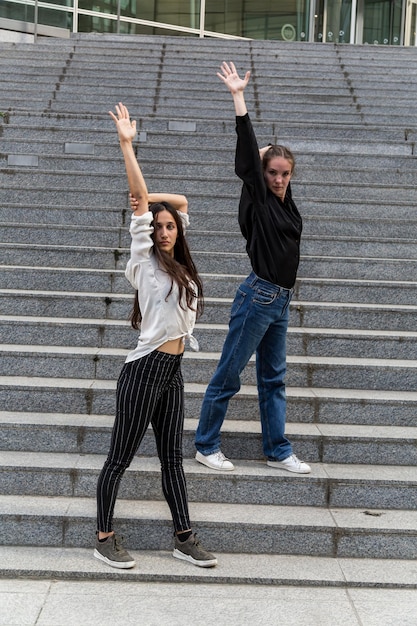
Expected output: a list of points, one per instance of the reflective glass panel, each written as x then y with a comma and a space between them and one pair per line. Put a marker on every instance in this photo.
13, 11
285, 20
332, 21
413, 27
49, 17
179, 13
382, 22
61, 3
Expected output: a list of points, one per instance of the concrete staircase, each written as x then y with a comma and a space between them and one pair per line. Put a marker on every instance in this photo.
349, 113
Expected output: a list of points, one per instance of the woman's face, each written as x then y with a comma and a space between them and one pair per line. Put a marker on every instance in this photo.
277, 176
165, 232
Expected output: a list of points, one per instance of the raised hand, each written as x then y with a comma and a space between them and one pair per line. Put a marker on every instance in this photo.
231, 78
125, 128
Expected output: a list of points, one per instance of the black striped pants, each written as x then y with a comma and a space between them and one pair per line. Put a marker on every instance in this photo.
149, 390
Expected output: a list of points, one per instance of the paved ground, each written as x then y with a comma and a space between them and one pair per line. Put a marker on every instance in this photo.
85, 603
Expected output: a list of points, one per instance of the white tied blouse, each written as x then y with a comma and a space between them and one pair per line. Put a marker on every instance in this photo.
162, 317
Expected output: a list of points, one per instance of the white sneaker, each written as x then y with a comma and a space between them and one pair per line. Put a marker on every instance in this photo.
216, 461
291, 464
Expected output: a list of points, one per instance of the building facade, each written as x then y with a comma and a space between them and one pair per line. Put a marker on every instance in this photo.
382, 22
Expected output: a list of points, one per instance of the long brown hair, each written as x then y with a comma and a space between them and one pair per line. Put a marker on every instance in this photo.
180, 268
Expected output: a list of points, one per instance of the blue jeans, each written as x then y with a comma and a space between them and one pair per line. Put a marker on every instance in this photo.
258, 322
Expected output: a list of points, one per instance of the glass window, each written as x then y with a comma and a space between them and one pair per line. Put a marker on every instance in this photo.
413, 26
179, 13
101, 6
13, 11
332, 21
259, 19
49, 17
382, 22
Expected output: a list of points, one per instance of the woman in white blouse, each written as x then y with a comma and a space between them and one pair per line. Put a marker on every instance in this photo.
150, 388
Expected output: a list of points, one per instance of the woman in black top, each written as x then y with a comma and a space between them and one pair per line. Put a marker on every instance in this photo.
271, 224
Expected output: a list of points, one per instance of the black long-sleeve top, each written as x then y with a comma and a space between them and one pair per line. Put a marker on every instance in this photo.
272, 228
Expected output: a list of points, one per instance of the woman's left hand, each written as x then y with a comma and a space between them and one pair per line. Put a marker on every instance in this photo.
134, 204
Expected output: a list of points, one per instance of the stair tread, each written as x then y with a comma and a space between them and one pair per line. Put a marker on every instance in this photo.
257, 470
295, 330
208, 356
259, 515
78, 563
352, 431
199, 389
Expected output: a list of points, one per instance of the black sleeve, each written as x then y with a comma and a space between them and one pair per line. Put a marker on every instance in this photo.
248, 165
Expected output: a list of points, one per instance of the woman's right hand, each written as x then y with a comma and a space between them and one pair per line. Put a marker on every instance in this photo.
126, 129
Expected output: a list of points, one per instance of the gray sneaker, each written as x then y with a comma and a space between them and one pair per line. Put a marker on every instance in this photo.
113, 553
192, 551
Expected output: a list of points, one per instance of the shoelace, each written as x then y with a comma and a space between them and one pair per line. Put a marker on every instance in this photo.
221, 456
118, 543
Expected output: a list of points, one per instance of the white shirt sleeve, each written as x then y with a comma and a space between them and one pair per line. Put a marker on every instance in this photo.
141, 245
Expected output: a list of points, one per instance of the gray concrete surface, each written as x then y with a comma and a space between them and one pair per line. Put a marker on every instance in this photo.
85, 603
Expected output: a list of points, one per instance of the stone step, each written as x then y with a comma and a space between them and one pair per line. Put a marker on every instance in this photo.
268, 570
221, 134
338, 267
340, 315
241, 439
208, 241
113, 81
307, 404
390, 488
302, 371
76, 148
319, 216
105, 333
83, 168
215, 285
210, 175
308, 531
98, 151
79, 188
333, 208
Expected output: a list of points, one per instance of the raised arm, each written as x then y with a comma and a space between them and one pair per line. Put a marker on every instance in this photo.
176, 200
126, 130
235, 85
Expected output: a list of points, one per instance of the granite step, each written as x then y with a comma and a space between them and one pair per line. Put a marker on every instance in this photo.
214, 178
252, 482
319, 216
146, 525
215, 285
302, 371
307, 405
76, 147
105, 333
315, 266
241, 439
221, 134
116, 306
99, 188
100, 157
208, 241
274, 570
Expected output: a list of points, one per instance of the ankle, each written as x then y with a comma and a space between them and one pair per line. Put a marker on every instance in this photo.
184, 535
101, 535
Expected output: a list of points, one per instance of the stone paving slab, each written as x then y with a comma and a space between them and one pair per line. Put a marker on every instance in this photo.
52, 602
